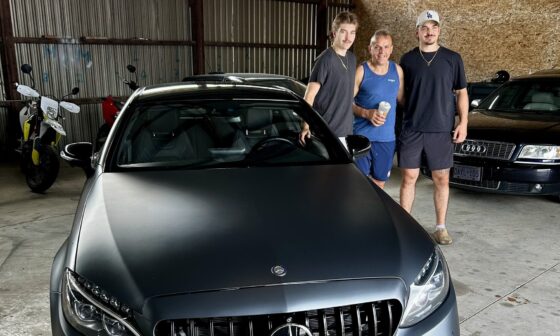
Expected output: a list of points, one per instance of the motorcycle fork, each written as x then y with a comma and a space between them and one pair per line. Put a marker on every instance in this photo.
35, 152
28, 128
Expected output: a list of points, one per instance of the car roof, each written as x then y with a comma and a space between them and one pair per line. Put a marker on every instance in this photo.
203, 91
549, 73
237, 75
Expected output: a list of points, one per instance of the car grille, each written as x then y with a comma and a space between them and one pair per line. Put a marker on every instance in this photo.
485, 149
506, 187
379, 318
484, 184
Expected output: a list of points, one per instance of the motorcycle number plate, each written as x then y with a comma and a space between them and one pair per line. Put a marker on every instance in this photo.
49, 107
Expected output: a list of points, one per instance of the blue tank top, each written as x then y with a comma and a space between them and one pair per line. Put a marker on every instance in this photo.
373, 90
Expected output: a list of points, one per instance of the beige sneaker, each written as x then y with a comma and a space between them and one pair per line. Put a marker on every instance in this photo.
442, 237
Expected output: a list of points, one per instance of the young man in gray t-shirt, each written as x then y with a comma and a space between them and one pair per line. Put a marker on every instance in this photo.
331, 83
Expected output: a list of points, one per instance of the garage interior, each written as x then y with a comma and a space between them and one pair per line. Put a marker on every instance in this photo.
505, 258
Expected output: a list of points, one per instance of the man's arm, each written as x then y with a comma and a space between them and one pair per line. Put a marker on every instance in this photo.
358, 79
357, 110
310, 93
460, 133
400, 94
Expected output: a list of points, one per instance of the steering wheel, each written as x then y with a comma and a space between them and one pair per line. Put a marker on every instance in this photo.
272, 147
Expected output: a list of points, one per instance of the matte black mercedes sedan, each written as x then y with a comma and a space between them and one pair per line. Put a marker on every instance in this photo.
513, 143
204, 215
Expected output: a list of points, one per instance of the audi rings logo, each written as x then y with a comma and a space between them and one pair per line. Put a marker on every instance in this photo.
473, 148
291, 329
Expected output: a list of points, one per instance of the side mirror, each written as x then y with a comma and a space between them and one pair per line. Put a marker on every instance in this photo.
26, 69
75, 90
132, 85
131, 68
79, 154
475, 103
358, 145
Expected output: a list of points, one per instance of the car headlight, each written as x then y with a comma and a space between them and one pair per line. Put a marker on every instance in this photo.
92, 310
540, 152
428, 291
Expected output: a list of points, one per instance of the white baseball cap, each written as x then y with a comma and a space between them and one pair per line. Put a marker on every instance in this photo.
427, 15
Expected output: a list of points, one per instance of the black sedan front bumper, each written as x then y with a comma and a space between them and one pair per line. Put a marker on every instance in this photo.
504, 177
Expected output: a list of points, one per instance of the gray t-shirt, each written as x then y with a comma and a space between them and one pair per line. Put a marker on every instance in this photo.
336, 75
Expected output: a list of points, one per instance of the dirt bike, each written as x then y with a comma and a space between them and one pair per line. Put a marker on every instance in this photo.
111, 108
40, 121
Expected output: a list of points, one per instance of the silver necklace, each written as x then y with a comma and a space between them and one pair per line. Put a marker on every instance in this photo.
345, 65
424, 58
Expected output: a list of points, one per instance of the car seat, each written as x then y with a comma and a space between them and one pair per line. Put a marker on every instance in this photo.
541, 101
258, 125
161, 138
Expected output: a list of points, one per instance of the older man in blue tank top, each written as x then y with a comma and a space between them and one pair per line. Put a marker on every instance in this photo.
377, 80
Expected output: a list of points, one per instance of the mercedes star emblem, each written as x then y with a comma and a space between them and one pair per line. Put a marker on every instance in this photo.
291, 329
278, 270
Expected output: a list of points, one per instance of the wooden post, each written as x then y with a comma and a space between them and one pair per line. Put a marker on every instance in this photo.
8, 50
322, 26
197, 28
10, 73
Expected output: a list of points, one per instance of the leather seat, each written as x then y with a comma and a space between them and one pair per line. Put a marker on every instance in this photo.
161, 139
542, 101
258, 126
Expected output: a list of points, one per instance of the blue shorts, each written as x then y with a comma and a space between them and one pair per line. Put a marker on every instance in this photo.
379, 161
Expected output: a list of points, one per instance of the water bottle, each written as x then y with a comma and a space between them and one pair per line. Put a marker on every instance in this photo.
384, 108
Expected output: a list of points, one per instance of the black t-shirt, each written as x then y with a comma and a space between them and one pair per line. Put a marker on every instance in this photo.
429, 90
334, 100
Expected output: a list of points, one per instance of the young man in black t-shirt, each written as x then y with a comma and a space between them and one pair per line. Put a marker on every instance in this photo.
435, 88
331, 84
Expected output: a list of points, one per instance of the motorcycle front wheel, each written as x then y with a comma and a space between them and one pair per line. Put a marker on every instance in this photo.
41, 177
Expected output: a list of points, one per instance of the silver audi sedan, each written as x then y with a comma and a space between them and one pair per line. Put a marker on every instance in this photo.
204, 215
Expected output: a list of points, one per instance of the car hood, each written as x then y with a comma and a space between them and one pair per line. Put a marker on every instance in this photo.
524, 127
149, 234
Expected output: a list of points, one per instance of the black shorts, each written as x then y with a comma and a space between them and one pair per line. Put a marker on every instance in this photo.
437, 148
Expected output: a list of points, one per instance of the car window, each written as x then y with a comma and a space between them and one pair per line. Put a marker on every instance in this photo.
219, 134
525, 95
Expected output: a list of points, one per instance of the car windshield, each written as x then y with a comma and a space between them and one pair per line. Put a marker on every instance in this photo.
221, 133
525, 95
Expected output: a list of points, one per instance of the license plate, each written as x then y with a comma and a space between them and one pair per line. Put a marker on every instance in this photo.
468, 173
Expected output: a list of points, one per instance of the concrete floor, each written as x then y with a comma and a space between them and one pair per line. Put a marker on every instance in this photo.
504, 261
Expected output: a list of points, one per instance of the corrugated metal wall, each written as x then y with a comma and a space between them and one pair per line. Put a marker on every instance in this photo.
151, 19
260, 22
3, 111
275, 37
99, 69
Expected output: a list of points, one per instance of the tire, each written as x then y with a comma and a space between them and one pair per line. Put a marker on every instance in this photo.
40, 178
